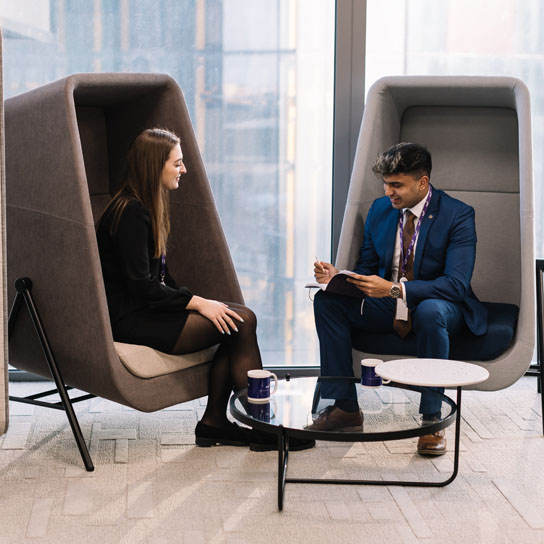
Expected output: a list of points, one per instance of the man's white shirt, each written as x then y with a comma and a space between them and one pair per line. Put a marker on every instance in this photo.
402, 308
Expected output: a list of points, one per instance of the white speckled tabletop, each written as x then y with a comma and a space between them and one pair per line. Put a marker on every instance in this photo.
432, 372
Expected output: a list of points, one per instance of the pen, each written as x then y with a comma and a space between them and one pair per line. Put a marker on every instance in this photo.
319, 263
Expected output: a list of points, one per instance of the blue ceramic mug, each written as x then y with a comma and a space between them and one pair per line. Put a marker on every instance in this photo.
369, 378
258, 385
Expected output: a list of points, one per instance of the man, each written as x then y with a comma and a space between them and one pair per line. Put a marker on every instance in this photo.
415, 265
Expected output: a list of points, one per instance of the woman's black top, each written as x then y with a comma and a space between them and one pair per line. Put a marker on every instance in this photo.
142, 309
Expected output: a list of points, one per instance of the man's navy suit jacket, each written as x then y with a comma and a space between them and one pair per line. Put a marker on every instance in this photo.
444, 257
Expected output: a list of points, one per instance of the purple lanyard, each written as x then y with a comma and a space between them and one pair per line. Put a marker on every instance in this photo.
404, 258
162, 272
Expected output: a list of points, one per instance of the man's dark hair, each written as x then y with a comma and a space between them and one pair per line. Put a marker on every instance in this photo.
404, 158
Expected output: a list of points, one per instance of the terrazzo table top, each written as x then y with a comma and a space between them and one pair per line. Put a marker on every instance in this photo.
432, 372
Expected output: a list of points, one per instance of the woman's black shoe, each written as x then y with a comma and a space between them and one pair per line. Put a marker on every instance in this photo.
212, 436
269, 442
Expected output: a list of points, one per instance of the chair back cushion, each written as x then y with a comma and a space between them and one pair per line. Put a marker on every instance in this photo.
475, 159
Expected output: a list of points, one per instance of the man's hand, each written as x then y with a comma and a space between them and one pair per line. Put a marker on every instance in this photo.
323, 272
372, 286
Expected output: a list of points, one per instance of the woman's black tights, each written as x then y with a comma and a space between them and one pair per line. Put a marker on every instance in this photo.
237, 353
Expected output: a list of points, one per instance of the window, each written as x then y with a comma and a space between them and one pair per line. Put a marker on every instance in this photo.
258, 79
463, 37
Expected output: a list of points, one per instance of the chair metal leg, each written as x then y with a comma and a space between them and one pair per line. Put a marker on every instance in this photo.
541, 381
283, 456
24, 286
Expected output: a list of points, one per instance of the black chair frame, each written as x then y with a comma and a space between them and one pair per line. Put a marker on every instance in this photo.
24, 295
536, 369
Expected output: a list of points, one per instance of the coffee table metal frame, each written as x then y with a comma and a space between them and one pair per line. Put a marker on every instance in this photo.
284, 433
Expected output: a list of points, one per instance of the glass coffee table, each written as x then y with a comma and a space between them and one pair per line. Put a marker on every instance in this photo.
390, 413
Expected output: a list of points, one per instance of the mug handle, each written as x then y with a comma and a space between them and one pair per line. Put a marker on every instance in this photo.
272, 375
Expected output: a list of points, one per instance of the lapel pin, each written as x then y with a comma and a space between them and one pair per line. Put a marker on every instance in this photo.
430, 216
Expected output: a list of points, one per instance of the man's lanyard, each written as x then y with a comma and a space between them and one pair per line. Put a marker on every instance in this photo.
404, 258
162, 273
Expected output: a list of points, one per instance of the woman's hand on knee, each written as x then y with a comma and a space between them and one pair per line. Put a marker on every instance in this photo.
217, 312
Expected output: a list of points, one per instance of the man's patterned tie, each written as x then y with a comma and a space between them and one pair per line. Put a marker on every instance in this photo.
402, 328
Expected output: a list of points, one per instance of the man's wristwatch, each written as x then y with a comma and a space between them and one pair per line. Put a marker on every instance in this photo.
395, 291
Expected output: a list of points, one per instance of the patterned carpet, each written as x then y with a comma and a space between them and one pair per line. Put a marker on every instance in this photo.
152, 485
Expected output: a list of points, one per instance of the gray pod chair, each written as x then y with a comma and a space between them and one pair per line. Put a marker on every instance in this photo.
66, 144
478, 130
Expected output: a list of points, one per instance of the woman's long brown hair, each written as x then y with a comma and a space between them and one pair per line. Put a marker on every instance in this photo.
146, 159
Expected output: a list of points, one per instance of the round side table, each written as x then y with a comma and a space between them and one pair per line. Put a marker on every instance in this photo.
436, 373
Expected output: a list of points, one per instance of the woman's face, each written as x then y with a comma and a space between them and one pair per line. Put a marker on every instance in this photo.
173, 169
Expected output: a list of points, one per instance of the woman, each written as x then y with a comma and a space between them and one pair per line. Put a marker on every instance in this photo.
146, 306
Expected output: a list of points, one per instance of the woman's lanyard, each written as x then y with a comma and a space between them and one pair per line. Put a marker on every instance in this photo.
405, 258
162, 273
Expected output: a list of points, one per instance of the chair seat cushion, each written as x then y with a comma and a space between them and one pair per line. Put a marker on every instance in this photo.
146, 362
464, 346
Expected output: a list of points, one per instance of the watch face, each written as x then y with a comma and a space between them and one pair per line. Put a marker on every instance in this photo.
395, 291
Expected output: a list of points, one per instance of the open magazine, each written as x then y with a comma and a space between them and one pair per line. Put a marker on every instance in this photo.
339, 285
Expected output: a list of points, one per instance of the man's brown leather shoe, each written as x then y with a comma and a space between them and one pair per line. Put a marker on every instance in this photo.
333, 418
432, 444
